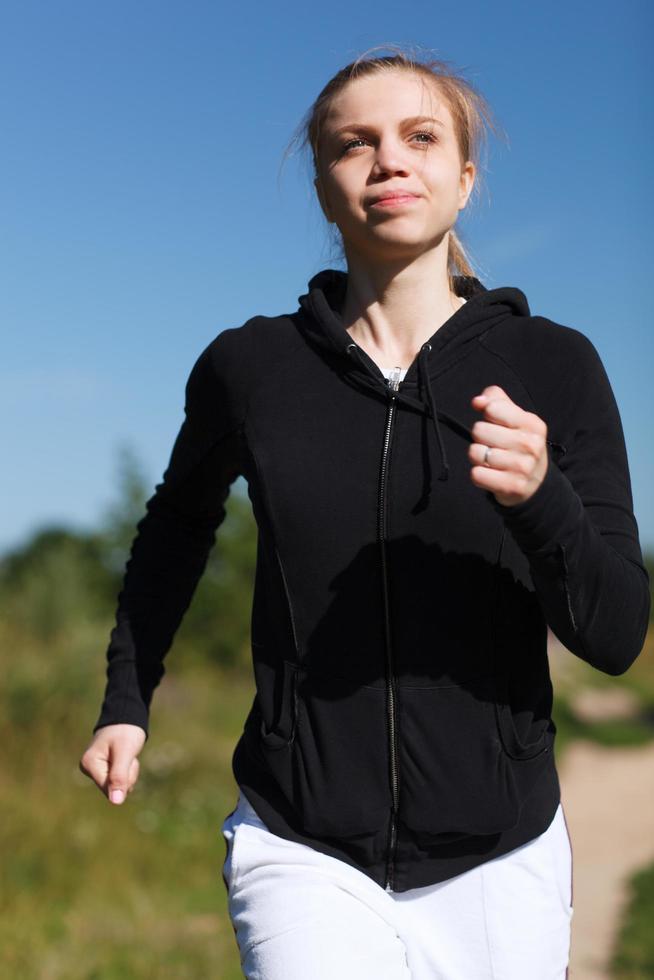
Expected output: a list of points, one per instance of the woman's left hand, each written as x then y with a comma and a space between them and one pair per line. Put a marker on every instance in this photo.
517, 461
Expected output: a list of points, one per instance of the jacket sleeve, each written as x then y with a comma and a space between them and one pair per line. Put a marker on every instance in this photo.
578, 529
172, 543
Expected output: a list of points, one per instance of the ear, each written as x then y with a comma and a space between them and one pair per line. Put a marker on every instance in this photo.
317, 183
466, 183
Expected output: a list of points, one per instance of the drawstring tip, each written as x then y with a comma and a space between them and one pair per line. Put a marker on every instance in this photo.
444, 473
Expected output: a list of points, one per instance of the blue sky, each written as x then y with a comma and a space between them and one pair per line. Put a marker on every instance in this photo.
143, 209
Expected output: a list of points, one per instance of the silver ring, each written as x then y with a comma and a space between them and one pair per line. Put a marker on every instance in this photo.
486, 454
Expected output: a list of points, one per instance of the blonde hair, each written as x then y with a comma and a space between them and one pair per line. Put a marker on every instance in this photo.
471, 116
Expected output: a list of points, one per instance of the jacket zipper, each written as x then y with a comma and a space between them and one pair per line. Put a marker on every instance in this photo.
393, 383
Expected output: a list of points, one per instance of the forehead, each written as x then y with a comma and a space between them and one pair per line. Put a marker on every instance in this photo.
386, 96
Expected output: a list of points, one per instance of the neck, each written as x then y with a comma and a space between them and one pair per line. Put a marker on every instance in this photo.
391, 310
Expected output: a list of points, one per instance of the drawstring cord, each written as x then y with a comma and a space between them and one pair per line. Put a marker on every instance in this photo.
423, 385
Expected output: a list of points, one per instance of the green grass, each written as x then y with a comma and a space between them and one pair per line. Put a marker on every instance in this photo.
638, 680
92, 890
634, 954
612, 733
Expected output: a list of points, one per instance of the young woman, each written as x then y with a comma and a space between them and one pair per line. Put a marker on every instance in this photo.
437, 475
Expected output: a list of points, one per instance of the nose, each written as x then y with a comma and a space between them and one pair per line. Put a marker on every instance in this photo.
390, 157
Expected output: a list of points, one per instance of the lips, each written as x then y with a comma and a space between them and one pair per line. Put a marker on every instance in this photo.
394, 197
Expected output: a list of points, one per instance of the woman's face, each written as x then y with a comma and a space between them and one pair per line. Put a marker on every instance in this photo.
373, 142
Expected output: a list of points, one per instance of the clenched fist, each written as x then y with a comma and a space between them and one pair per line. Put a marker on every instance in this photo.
111, 759
509, 451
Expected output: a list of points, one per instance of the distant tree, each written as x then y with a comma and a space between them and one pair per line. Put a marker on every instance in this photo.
649, 565
118, 520
57, 578
217, 623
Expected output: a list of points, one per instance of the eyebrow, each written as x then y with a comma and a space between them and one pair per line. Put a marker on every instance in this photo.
411, 120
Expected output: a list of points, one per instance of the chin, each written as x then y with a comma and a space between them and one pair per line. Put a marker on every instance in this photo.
392, 251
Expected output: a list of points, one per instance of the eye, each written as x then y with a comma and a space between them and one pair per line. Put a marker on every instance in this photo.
431, 137
348, 146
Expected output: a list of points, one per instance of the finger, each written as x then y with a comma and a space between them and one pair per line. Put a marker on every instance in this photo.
491, 391
500, 459
499, 481
506, 437
489, 456
95, 763
505, 412
123, 771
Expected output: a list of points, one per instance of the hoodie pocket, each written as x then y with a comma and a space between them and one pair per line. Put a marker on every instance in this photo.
537, 740
334, 768
278, 732
455, 778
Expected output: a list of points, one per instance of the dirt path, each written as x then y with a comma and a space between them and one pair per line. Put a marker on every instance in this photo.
608, 799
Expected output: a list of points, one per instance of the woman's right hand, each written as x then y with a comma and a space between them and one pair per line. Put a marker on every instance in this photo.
111, 759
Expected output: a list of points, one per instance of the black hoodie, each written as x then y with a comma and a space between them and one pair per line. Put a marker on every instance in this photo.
402, 715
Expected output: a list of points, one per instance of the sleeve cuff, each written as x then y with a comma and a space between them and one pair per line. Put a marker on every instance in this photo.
123, 703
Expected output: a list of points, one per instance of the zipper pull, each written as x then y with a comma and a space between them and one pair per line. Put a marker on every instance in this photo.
394, 380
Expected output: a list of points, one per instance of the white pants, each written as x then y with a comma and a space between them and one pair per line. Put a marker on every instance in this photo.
298, 914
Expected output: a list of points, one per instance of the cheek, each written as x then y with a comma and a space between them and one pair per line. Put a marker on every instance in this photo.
443, 174
347, 202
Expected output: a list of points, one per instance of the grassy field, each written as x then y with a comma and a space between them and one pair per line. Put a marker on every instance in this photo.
91, 891
95, 891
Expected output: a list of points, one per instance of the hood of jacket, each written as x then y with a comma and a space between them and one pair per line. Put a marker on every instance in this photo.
323, 327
